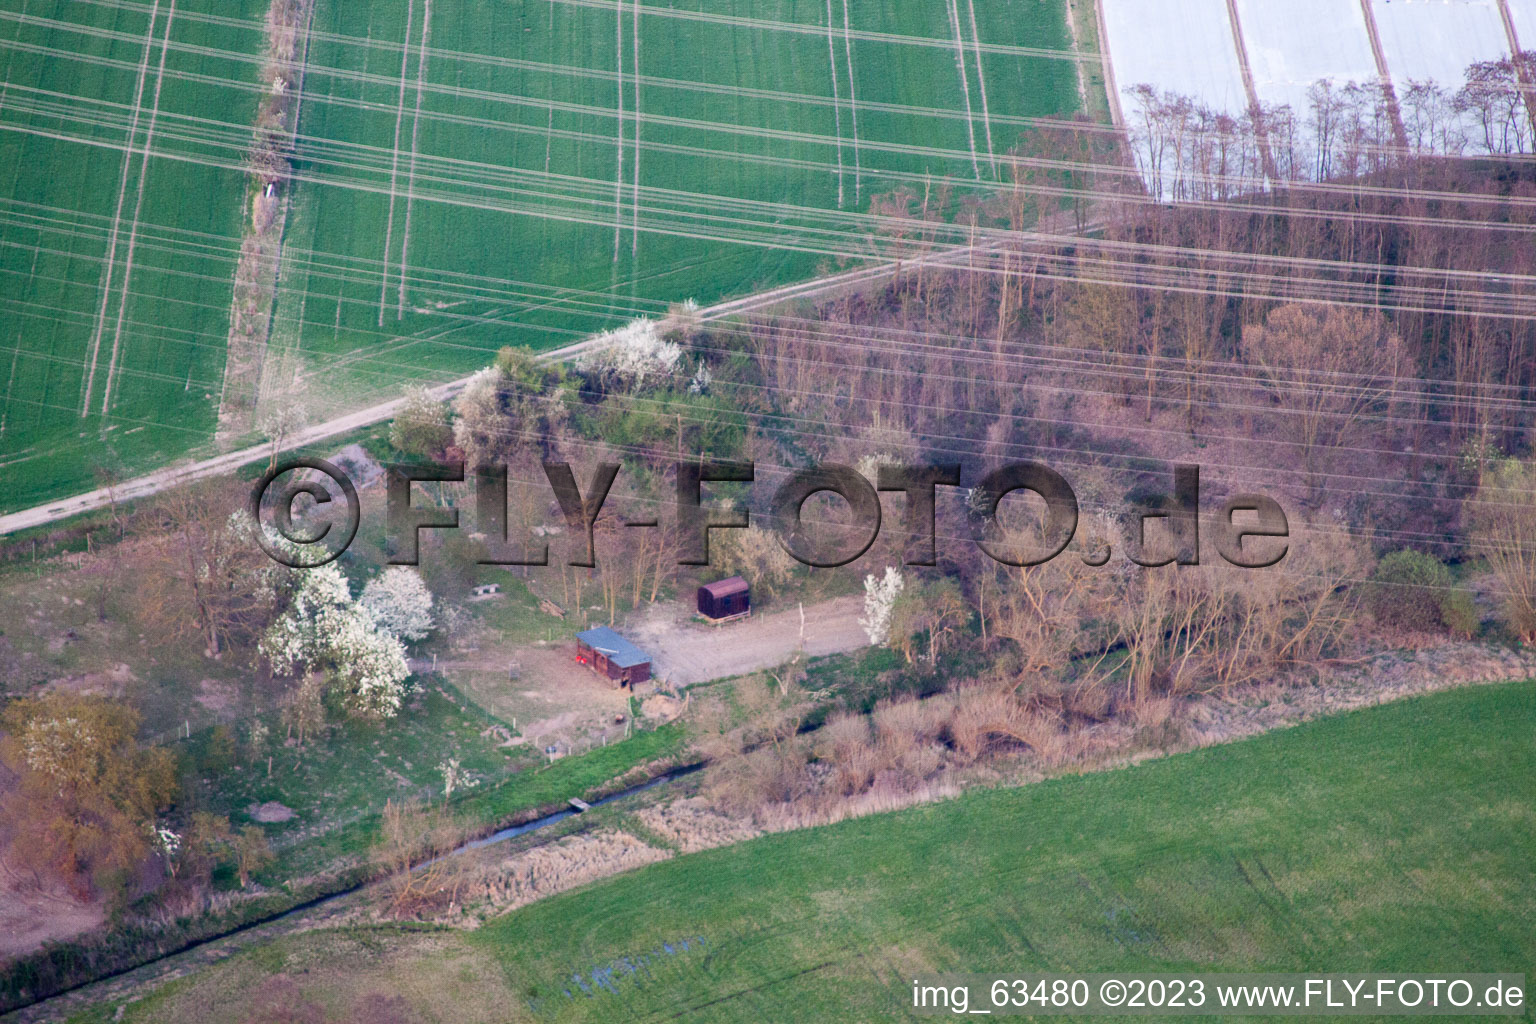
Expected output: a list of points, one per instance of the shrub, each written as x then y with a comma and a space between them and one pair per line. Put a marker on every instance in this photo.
421, 428
1409, 589
81, 797
768, 775
844, 743
1502, 528
1460, 614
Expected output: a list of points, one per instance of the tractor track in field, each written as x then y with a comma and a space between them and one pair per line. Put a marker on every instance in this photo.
965, 83
394, 169
410, 177
192, 471
837, 106
981, 83
634, 204
189, 472
117, 217
1250, 87
853, 108
138, 210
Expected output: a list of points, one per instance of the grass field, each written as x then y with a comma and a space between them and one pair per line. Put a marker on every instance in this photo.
467, 175
1393, 839
341, 785
482, 196
115, 267
346, 777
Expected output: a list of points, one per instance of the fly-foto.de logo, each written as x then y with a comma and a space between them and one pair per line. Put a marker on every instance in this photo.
1249, 531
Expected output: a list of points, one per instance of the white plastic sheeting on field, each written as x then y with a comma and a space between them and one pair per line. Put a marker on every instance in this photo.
1435, 40
1523, 14
1294, 43
1180, 46
1186, 47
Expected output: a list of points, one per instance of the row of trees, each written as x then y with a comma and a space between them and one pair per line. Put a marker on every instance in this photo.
1187, 150
1341, 345
1072, 645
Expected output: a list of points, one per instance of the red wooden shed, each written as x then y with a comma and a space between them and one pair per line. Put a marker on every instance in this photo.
725, 599
613, 656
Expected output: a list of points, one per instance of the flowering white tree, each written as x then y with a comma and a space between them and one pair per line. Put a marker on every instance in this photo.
324, 630
699, 383
477, 414
880, 594
455, 777
270, 581
421, 426
633, 353
61, 748
400, 602
169, 845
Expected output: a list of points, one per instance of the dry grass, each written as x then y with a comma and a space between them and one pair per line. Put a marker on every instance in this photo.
1387, 676
743, 783
876, 800
847, 744
566, 864
692, 825
349, 978
906, 750
1152, 712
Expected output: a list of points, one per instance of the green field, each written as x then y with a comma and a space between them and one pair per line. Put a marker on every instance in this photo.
1394, 839
116, 270
505, 209
458, 185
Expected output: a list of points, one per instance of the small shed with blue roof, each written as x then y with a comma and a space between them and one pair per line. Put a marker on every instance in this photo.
608, 653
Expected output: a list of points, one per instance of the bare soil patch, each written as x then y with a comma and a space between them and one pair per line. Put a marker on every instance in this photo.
112, 682
219, 697
32, 914
552, 699
660, 707
687, 651
270, 812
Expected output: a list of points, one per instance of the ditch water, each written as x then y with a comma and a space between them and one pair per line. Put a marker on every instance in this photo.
513, 831
149, 970
549, 819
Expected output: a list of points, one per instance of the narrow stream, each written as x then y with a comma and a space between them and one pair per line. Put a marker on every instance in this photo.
550, 819
48, 1006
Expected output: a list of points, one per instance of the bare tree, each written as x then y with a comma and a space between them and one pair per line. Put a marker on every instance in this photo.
413, 851
1326, 369
207, 574
1503, 530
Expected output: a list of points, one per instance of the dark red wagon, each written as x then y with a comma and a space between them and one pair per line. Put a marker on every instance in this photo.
729, 598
